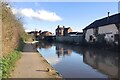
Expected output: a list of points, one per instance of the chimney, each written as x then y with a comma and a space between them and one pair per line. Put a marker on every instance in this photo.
63, 26
108, 15
58, 26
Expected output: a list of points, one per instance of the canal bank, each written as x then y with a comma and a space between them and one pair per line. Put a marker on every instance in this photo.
33, 65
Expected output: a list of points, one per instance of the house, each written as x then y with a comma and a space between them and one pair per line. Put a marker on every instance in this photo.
46, 33
62, 31
59, 31
67, 31
106, 29
37, 33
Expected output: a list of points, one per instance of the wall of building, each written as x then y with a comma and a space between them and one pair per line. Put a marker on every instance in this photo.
109, 31
69, 39
88, 33
60, 32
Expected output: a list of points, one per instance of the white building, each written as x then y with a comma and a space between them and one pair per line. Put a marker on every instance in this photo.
107, 29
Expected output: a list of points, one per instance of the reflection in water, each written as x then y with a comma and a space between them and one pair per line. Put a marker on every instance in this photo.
45, 45
47, 49
104, 61
77, 62
60, 51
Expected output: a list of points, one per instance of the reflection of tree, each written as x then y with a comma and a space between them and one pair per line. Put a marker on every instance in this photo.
104, 61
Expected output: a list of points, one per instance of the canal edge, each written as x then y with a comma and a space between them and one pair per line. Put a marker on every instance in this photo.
58, 74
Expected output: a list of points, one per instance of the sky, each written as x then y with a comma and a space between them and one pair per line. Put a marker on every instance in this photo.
46, 16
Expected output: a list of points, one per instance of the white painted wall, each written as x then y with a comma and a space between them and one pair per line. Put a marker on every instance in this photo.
88, 33
108, 29
111, 29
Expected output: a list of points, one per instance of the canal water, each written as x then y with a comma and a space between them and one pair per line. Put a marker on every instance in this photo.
77, 62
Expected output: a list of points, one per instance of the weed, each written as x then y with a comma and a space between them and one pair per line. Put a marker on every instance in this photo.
7, 64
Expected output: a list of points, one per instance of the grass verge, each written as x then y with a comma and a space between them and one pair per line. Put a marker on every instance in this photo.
7, 63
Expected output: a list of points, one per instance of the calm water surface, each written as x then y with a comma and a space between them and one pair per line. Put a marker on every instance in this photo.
77, 62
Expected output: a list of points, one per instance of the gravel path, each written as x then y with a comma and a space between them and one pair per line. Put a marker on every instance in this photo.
33, 65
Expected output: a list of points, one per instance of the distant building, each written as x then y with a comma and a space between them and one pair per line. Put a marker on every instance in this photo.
59, 31
62, 31
34, 34
67, 31
46, 33
37, 33
106, 29
75, 34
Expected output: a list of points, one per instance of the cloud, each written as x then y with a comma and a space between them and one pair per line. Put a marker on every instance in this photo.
53, 60
38, 14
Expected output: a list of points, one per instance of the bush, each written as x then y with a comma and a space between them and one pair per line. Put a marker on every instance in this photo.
12, 29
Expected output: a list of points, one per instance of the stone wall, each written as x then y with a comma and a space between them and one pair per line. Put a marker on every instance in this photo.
69, 39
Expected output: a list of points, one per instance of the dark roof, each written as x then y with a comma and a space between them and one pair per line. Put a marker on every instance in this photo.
59, 28
73, 33
67, 28
46, 32
32, 32
114, 19
79, 33
62, 28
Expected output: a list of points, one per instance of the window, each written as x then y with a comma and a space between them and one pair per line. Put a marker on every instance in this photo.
111, 36
116, 37
90, 38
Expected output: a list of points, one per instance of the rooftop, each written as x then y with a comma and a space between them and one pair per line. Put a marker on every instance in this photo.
114, 19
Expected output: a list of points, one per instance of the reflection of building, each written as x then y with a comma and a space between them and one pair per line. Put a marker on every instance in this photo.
105, 63
44, 45
60, 51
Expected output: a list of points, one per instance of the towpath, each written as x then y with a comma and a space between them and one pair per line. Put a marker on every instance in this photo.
32, 65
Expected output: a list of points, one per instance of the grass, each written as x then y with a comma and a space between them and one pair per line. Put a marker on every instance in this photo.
7, 63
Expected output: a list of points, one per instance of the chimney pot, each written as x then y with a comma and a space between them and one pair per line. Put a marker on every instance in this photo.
63, 26
108, 14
